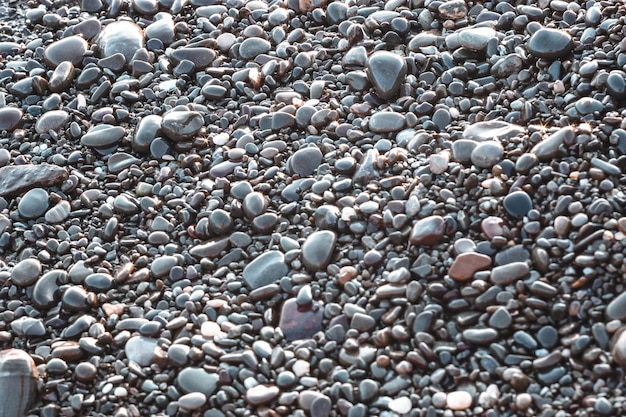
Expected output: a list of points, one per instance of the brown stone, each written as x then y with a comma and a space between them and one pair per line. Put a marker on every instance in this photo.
15, 179
467, 264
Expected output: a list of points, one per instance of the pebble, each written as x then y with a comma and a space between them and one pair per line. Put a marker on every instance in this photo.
386, 71
459, 400
33, 204
262, 394
304, 162
265, 269
318, 249
384, 122
16, 179
191, 379
121, 37
26, 272
299, 323
487, 154
493, 129
18, 382
550, 43
476, 38
616, 309
549, 147
192, 401
517, 204
103, 136
71, 49
142, 350
509, 273
428, 231
55, 120
401, 405
10, 118
182, 125
479, 337
253, 47
467, 264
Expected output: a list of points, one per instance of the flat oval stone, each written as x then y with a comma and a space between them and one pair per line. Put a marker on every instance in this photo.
26, 272
298, 323
467, 264
265, 269
192, 401
55, 120
505, 66
74, 299
492, 129
182, 125
252, 47
10, 118
318, 249
459, 400
616, 84
142, 350
72, 49
162, 29
122, 37
192, 379
62, 77
507, 274
480, 336
550, 43
18, 382
201, 57
428, 231
46, 289
517, 204
58, 212
476, 38
210, 249
99, 282
305, 161
588, 105
103, 136
33, 204
386, 121
386, 71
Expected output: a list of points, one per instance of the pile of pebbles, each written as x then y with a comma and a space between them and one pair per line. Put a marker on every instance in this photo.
312, 208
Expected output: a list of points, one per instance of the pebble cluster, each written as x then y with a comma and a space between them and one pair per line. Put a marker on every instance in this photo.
312, 208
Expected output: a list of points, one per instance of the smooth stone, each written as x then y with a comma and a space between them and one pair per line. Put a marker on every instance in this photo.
387, 121
517, 204
386, 71
62, 77
192, 379
428, 231
318, 249
85, 372
147, 131
252, 47
491, 130
10, 118
74, 299
550, 43
210, 249
119, 161
362, 322
480, 336
162, 29
509, 273
615, 84
211, 10
15, 179
46, 289
103, 136
298, 323
265, 269
400, 405
145, 7
588, 105
142, 350
506, 66
262, 394
54, 120
162, 266
182, 125
501, 319
122, 37
71, 48
462, 150
305, 161
254, 204
99, 281
467, 264
487, 154
28, 327
26, 272
452, 9
200, 57
58, 212
115, 62
192, 401
459, 400
33, 204
549, 147
548, 337
321, 406
616, 310
18, 382
476, 38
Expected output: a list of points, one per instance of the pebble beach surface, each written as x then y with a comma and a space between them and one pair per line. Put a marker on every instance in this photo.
312, 208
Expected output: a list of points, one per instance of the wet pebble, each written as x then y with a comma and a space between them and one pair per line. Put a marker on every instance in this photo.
10, 118
71, 49
33, 204
550, 43
18, 382
318, 249
386, 71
